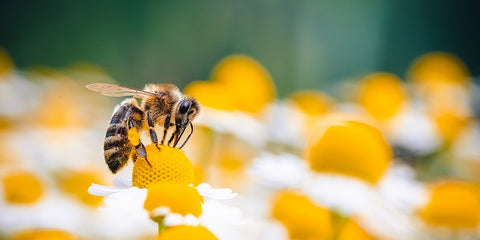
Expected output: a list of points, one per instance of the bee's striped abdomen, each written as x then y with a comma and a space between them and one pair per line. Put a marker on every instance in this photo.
117, 148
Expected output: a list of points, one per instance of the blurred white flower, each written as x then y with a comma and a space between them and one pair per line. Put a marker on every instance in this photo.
414, 130
236, 123
284, 124
279, 171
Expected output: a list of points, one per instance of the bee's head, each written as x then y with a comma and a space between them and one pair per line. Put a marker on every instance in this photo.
187, 110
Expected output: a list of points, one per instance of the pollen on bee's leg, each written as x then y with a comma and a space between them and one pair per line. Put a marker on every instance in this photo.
134, 136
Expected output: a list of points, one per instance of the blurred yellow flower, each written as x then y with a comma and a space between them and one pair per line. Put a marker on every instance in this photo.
178, 197
76, 183
453, 204
187, 232
312, 103
44, 234
6, 63
382, 95
438, 67
238, 82
212, 94
22, 188
168, 165
351, 148
351, 231
303, 218
450, 124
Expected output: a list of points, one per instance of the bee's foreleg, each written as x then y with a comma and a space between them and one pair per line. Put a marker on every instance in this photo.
188, 137
134, 138
166, 125
151, 126
179, 136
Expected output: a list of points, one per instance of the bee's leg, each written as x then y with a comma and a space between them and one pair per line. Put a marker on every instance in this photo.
134, 138
166, 125
179, 136
151, 126
188, 137
172, 137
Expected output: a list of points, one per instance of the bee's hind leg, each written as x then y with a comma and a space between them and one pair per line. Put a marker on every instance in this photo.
134, 138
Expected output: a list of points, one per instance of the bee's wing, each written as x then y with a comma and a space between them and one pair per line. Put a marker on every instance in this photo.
114, 90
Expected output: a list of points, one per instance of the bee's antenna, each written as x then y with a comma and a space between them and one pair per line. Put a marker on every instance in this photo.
188, 137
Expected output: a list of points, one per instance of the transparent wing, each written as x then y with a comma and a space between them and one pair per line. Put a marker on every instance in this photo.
114, 90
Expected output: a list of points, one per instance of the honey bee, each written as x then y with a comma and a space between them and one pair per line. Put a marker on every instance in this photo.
163, 108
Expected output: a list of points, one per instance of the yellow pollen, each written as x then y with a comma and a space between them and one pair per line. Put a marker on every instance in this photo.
303, 218
168, 165
178, 197
22, 188
350, 148
44, 234
134, 136
187, 232
453, 204
76, 184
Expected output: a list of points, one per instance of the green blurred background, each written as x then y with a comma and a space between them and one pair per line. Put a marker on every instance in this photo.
304, 44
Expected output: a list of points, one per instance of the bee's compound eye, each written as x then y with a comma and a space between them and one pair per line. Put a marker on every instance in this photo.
184, 107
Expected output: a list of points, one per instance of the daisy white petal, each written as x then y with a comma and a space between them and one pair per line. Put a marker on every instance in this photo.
206, 190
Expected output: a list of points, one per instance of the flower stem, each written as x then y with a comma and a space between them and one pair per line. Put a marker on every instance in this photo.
161, 227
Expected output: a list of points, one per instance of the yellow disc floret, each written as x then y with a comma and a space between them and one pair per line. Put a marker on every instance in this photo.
167, 165
352, 231
312, 103
6, 64
187, 232
238, 82
76, 183
351, 148
22, 187
44, 234
178, 197
438, 67
453, 204
302, 218
382, 95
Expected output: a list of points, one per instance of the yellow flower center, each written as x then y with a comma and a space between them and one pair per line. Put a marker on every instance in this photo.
187, 232
438, 67
238, 83
450, 124
212, 94
350, 148
302, 218
382, 95
167, 165
76, 184
178, 197
312, 103
44, 234
6, 64
453, 204
22, 188
351, 231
